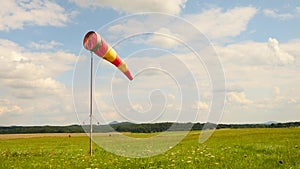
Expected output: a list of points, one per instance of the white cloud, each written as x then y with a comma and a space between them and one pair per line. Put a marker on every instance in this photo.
7, 106
162, 38
293, 48
202, 106
30, 88
44, 45
263, 81
280, 56
217, 24
167, 6
138, 107
256, 53
238, 98
274, 14
17, 14
21, 62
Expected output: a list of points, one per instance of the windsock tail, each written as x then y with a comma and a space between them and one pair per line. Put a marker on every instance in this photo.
128, 74
122, 66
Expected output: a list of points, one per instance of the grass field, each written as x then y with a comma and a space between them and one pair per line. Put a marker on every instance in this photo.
232, 148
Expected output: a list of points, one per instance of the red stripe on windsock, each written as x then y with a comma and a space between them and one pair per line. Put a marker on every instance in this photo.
117, 62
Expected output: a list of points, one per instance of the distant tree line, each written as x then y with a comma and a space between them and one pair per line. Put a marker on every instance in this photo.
41, 129
137, 128
272, 125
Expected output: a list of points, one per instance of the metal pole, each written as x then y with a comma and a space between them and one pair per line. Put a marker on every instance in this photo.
91, 107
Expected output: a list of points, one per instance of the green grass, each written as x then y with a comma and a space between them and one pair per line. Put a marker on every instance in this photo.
236, 148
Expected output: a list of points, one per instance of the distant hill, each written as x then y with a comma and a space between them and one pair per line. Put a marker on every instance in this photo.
271, 122
137, 128
114, 122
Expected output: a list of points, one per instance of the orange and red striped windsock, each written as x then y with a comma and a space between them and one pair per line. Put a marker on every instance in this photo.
94, 42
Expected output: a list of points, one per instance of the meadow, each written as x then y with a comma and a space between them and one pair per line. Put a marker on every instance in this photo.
227, 148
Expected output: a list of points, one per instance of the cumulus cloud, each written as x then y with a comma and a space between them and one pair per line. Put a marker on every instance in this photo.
163, 38
167, 6
7, 106
238, 98
280, 56
17, 14
22, 62
216, 23
262, 80
256, 53
202, 106
293, 48
274, 14
43, 45
29, 80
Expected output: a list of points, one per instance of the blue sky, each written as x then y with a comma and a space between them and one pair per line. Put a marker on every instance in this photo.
257, 43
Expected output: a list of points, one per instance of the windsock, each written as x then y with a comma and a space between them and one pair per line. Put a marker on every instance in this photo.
94, 42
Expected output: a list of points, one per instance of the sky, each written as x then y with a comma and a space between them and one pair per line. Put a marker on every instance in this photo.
181, 52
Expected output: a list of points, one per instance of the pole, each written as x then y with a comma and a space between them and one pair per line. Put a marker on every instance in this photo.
91, 106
